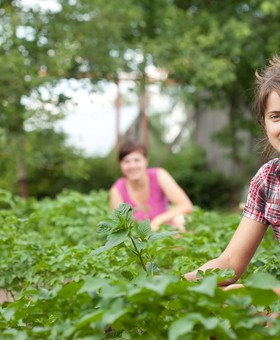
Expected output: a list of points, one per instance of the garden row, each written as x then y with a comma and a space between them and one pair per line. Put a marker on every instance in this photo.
74, 271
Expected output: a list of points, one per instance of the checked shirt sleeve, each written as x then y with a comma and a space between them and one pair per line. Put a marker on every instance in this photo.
256, 199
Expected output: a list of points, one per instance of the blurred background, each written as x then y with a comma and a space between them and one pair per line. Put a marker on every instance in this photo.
77, 78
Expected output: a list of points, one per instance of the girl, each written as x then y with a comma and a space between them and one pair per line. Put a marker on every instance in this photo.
263, 202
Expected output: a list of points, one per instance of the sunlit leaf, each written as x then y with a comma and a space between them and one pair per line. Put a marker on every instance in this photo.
207, 286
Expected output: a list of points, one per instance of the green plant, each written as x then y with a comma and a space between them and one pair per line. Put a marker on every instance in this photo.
121, 227
67, 286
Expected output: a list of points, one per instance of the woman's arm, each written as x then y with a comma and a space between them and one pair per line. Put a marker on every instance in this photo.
115, 198
239, 251
181, 204
277, 291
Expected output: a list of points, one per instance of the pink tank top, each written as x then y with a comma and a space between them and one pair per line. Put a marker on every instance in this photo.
156, 204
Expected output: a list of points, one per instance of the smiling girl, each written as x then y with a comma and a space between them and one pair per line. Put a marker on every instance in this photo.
263, 202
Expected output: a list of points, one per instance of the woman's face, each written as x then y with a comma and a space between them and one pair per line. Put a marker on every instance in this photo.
134, 165
272, 120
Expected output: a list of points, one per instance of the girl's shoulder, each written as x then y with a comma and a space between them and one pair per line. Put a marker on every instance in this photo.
156, 173
275, 165
119, 183
271, 167
152, 170
155, 170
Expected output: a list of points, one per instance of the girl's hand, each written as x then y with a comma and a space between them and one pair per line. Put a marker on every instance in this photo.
191, 276
155, 223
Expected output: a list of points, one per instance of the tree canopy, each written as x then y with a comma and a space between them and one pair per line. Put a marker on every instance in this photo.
210, 49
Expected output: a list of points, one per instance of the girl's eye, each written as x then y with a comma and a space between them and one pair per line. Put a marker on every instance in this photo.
273, 116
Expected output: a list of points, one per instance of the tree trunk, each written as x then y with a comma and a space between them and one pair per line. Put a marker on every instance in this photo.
118, 101
144, 114
21, 168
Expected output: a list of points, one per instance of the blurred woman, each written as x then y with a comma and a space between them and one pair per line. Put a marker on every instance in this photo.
149, 191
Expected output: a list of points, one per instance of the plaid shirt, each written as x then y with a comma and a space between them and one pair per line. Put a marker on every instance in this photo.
263, 201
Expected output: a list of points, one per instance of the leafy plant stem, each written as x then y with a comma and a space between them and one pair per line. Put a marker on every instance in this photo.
138, 255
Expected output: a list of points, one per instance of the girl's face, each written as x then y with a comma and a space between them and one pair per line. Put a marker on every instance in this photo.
272, 120
134, 165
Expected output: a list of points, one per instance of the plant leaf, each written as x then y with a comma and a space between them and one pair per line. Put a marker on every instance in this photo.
122, 215
92, 284
112, 240
158, 236
186, 324
152, 268
207, 286
262, 281
104, 227
143, 229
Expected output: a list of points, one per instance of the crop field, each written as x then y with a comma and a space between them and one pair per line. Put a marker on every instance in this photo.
72, 270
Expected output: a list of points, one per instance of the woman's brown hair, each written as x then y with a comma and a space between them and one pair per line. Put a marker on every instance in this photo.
267, 81
129, 147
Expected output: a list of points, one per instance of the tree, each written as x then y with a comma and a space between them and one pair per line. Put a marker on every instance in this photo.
213, 50
209, 49
31, 55
116, 37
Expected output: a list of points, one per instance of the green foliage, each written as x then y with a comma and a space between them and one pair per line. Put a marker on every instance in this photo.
103, 172
66, 286
51, 165
206, 188
213, 67
121, 227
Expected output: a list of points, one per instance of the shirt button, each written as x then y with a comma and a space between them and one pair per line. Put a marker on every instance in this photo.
275, 220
